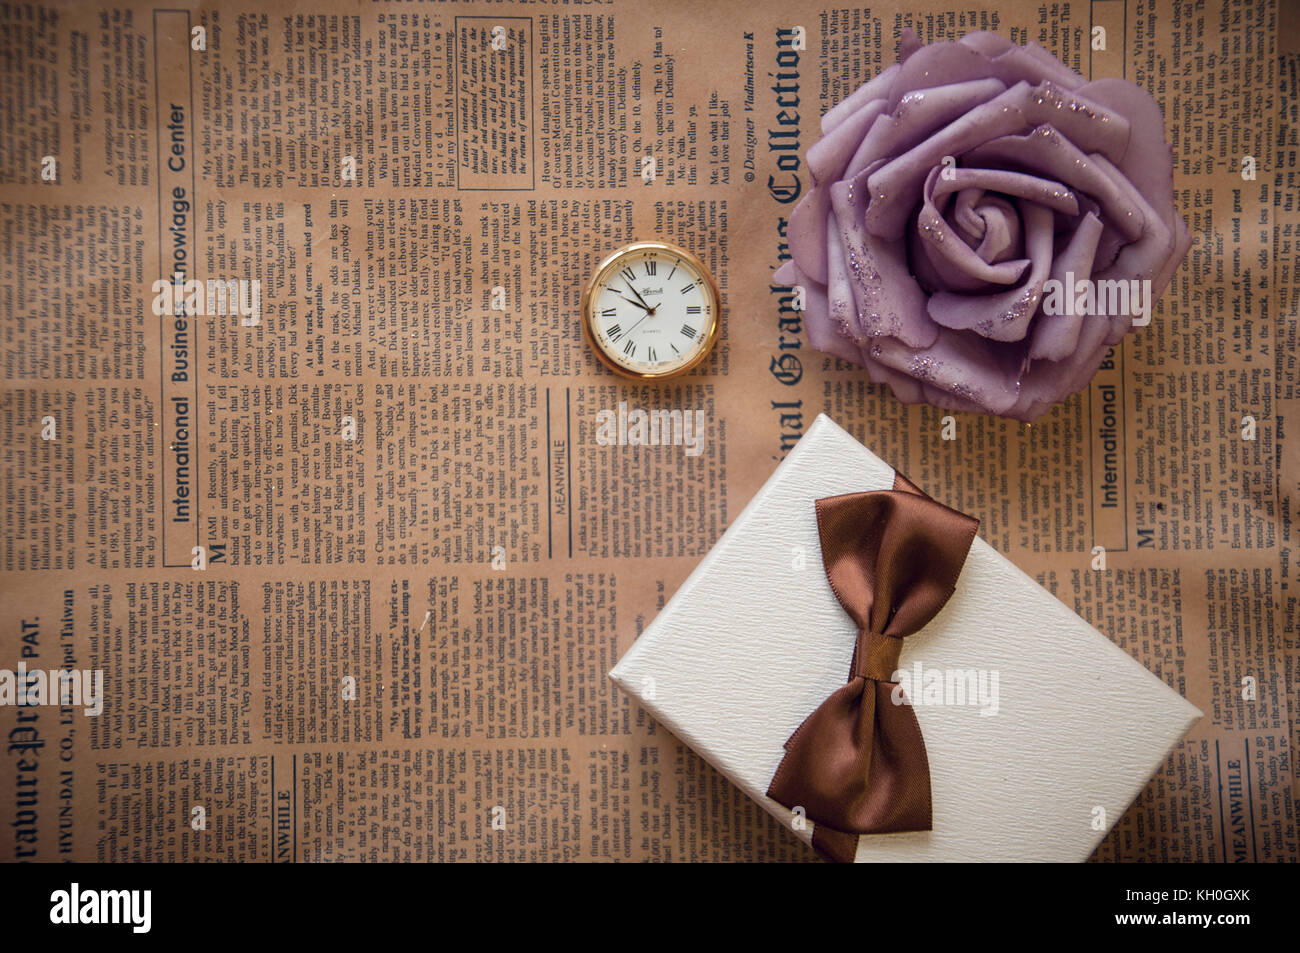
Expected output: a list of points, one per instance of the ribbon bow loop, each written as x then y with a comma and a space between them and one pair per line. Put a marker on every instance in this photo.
892, 557
857, 765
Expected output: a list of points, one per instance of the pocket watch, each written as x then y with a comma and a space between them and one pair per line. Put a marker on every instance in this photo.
651, 311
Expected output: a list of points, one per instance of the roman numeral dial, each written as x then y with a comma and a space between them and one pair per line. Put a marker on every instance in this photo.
651, 311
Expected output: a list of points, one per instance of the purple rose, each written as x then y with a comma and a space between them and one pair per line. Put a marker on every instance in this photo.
984, 224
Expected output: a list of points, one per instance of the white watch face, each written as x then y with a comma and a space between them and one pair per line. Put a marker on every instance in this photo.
652, 310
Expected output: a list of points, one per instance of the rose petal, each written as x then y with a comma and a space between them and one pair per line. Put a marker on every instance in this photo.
1046, 152
895, 184
806, 232
877, 88
959, 363
1056, 336
908, 43
827, 159
1147, 164
918, 115
829, 156
1034, 64
1145, 258
1045, 383
938, 64
958, 266
1045, 192
816, 320
1012, 112
1004, 316
1001, 238
953, 261
988, 223
1147, 161
841, 305
1089, 125
887, 299
986, 43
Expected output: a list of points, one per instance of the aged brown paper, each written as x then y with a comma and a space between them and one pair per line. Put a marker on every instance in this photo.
354, 572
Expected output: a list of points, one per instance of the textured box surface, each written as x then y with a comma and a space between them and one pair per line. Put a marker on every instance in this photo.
751, 644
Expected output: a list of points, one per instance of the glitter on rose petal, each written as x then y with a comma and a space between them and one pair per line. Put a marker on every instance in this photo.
906, 102
1020, 308
923, 367
839, 316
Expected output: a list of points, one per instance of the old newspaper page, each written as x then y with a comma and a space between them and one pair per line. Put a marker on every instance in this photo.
342, 545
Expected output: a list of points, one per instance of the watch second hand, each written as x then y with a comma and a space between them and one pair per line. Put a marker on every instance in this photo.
633, 327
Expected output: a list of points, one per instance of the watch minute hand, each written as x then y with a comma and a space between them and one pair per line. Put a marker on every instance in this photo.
638, 296
637, 303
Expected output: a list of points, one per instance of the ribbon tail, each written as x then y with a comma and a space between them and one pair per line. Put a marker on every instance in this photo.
898, 798
828, 758
898, 793
857, 765
839, 847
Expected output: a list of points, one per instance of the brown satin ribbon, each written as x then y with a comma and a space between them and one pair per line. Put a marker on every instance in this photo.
857, 764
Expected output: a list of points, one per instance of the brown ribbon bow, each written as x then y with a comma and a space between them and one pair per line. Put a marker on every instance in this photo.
857, 764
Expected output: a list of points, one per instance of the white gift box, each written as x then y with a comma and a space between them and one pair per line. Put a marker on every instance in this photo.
1037, 766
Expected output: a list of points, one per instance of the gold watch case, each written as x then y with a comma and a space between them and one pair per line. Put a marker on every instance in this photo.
610, 264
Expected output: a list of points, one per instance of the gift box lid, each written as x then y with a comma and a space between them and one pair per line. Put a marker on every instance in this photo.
1063, 735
